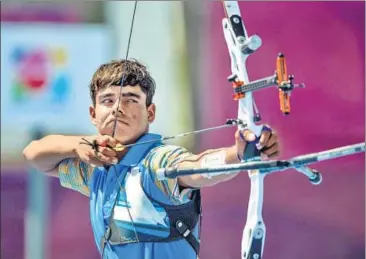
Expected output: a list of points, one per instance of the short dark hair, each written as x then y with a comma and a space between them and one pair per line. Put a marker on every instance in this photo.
131, 71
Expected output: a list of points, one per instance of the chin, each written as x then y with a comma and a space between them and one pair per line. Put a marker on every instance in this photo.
126, 136
126, 139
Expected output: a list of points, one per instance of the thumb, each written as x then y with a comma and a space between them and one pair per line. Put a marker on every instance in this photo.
247, 135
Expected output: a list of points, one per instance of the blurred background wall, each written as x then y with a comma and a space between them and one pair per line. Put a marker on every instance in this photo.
49, 51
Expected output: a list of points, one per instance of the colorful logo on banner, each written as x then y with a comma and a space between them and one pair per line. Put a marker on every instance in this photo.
40, 73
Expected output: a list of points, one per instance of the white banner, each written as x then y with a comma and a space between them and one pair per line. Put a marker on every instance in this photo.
45, 73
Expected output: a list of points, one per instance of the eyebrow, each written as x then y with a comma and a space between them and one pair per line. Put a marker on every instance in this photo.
102, 96
129, 94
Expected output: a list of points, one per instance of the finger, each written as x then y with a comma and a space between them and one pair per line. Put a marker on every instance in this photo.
264, 157
275, 154
247, 135
109, 152
106, 140
265, 136
271, 150
271, 141
106, 159
95, 163
103, 158
92, 161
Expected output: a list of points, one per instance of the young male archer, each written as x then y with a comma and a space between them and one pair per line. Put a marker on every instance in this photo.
134, 215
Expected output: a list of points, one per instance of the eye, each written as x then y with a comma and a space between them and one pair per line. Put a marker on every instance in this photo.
107, 101
131, 101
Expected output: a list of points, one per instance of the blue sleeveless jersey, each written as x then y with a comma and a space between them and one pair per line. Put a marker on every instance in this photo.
119, 194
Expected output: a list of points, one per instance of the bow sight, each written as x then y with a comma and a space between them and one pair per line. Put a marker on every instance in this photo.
280, 79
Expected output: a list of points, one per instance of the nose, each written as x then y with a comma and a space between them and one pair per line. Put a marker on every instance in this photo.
117, 109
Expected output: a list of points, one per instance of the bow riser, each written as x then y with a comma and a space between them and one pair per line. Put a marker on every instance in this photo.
238, 68
240, 46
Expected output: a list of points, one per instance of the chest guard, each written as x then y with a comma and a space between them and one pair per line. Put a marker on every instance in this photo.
140, 215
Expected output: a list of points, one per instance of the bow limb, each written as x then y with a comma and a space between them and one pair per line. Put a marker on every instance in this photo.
240, 46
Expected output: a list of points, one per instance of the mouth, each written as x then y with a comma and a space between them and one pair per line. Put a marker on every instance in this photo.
119, 121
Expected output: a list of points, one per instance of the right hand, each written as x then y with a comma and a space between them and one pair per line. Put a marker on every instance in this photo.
105, 154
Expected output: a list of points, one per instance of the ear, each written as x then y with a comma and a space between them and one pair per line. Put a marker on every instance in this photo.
151, 110
92, 115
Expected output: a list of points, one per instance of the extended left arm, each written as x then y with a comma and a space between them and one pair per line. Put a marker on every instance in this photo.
267, 144
210, 157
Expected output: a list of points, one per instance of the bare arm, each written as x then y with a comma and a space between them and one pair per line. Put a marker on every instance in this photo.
218, 156
45, 154
268, 145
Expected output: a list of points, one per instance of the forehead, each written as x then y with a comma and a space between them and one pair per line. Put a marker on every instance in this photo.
115, 89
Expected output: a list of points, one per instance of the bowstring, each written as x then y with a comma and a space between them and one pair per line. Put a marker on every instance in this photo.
123, 79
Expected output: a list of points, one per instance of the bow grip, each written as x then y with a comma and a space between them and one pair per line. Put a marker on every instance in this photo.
251, 152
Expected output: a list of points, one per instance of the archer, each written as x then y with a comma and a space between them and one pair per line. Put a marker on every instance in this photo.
134, 215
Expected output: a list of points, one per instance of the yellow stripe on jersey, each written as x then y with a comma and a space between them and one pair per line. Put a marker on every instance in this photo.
75, 174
